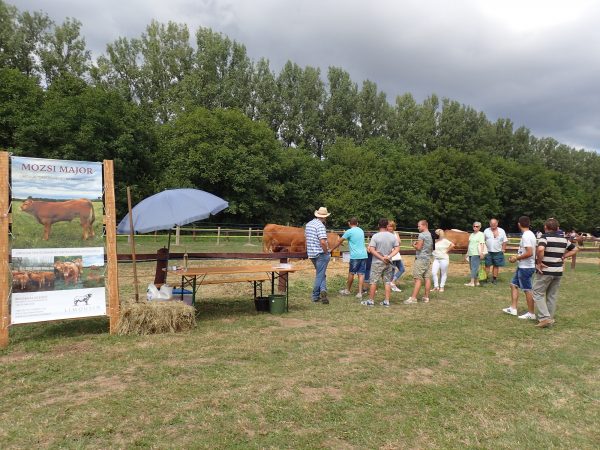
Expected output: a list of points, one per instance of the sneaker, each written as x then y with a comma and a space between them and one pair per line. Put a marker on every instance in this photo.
315, 300
441, 290
385, 303
527, 315
324, 298
494, 282
367, 302
345, 292
359, 295
425, 299
510, 310
410, 301
545, 323
469, 284
395, 288
435, 289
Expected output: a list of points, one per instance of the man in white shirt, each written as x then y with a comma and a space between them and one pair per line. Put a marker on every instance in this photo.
495, 240
523, 278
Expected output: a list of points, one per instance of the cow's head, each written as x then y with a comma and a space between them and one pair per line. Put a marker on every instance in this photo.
27, 204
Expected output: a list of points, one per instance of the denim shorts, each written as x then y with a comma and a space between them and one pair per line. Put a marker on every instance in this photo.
523, 279
358, 266
495, 259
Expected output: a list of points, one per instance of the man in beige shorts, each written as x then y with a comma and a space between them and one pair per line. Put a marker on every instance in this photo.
422, 266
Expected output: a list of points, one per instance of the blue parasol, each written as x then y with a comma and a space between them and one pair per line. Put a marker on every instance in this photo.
170, 208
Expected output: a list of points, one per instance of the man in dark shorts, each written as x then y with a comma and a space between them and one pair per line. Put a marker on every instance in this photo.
495, 240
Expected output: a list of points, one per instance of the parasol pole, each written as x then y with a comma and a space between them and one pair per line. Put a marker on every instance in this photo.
132, 244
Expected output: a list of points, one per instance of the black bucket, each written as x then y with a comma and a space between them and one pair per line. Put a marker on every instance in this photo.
262, 304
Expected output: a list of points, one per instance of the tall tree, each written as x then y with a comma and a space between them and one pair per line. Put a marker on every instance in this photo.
20, 99
340, 109
373, 112
22, 37
65, 52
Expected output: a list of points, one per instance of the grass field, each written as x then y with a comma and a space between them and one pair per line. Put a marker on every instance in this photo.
453, 373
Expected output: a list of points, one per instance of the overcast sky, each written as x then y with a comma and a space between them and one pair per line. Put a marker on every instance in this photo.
536, 62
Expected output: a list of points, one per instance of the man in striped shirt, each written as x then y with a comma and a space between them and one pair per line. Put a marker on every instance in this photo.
318, 252
552, 249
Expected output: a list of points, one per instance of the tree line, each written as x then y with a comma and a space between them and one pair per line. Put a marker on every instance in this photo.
276, 145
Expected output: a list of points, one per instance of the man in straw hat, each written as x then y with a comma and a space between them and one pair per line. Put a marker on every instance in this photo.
318, 253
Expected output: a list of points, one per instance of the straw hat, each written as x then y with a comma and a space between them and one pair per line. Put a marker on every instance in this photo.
322, 212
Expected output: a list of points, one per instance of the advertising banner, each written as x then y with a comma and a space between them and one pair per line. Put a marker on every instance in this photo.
57, 254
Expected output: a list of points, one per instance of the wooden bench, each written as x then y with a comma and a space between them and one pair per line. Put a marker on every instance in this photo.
259, 278
255, 280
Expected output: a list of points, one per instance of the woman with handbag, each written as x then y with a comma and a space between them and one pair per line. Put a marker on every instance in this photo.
475, 253
396, 259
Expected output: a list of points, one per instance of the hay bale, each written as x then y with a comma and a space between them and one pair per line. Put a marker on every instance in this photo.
156, 317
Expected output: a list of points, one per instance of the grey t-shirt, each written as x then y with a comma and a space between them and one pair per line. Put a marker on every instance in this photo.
426, 250
384, 242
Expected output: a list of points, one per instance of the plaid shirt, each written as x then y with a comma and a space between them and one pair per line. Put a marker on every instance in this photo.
315, 231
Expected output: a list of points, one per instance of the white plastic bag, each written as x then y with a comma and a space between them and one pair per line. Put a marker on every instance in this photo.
165, 292
152, 293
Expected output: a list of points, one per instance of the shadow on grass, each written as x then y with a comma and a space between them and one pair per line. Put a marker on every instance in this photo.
60, 329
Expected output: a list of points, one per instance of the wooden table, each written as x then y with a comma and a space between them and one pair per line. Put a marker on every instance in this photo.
195, 277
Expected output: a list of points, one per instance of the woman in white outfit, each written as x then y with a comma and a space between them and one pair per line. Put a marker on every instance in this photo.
441, 260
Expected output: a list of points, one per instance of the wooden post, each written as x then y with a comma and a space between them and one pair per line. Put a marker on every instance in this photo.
283, 278
4, 249
111, 245
218, 235
177, 233
132, 246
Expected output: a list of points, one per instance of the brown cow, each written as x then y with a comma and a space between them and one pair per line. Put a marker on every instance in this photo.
48, 278
459, 238
70, 272
20, 279
279, 238
48, 213
38, 278
96, 278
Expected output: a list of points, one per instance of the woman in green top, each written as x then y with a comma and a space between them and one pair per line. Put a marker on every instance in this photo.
475, 252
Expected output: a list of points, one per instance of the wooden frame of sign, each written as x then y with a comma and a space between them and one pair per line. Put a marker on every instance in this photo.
110, 223
4, 249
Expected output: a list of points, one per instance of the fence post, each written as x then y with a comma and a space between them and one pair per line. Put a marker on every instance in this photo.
218, 235
283, 277
177, 232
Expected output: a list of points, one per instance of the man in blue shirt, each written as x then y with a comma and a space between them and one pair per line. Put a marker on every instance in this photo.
318, 252
358, 256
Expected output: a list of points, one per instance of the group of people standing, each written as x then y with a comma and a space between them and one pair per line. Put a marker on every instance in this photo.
381, 260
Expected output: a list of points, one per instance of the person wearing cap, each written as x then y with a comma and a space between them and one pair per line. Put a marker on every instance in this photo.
318, 253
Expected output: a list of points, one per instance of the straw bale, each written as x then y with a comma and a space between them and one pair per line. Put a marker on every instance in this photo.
156, 317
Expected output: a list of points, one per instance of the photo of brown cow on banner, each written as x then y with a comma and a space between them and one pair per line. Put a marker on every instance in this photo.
58, 246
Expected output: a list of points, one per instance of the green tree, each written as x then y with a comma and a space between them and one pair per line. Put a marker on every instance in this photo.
225, 153
22, 36
64, 52
20, 100
373, 112
341, 113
